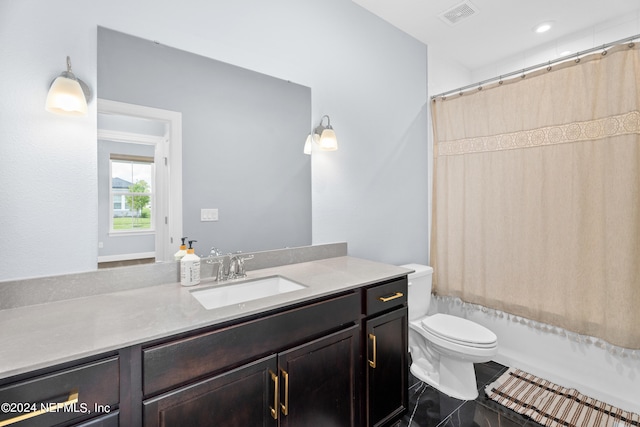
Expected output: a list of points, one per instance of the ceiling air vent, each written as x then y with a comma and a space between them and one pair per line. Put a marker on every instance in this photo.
459, 13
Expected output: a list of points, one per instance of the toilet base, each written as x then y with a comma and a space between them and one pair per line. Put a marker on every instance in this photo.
455, 378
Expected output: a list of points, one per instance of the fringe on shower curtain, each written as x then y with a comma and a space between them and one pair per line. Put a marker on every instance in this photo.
536, 208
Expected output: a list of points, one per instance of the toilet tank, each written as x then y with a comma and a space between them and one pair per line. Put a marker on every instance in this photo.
419, 296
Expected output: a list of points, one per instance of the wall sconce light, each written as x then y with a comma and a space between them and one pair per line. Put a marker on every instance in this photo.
324, 136
308, 145
68, 95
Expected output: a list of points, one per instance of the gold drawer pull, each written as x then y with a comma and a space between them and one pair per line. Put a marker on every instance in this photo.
276, 393
285, 407
392, 297
373, 362
49, 407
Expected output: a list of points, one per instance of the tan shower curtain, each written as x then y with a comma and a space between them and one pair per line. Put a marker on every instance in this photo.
536, 206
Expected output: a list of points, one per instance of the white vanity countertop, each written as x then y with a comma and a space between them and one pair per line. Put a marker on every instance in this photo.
44, 335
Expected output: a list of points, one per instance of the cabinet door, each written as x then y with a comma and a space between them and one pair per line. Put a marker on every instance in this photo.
243, 397
387, 370
319, 382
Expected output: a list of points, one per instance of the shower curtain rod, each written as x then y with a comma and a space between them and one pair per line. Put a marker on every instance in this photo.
577, 55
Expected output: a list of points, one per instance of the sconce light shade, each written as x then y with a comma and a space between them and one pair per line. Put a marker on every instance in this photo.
68, 95
308, 145
325, 136
328, 140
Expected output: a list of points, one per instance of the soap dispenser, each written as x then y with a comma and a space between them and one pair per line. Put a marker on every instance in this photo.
190, 267
183, 250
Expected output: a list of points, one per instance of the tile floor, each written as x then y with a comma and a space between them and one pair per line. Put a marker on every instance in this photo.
430, 408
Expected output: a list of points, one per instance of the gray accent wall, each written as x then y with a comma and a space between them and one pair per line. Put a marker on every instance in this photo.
243, 134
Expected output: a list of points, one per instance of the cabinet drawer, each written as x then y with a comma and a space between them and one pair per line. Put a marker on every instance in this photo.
384, 296
182, 361
89, 390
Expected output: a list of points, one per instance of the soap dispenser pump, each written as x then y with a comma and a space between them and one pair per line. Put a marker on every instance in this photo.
190, 267
183, 250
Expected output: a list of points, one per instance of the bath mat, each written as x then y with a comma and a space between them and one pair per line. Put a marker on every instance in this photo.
554, 406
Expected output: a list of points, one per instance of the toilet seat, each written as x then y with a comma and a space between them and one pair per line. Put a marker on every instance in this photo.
460, 331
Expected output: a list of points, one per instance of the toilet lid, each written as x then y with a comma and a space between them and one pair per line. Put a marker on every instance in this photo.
459, 330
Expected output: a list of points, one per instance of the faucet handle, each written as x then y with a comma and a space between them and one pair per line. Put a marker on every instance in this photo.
220, 273
241, 260
213, 258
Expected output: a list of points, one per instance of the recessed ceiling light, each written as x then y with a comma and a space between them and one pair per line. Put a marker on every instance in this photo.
542, 27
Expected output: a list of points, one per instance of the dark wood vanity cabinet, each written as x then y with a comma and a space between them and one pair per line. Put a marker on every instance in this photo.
306, 370
386, 337
340, 360
303, 386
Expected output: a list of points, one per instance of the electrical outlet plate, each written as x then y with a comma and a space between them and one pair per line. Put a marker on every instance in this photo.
208, 215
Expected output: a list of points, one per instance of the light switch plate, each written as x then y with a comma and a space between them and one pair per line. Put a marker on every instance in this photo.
208, 214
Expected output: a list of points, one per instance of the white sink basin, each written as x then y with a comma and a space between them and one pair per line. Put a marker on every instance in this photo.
249, 290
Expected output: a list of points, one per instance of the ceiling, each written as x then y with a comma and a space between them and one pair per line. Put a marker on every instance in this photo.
499, 28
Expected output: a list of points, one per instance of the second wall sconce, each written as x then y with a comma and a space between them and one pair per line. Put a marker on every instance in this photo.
308, 145
323, 136
68, 95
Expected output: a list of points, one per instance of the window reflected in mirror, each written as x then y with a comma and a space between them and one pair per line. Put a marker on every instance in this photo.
131, 194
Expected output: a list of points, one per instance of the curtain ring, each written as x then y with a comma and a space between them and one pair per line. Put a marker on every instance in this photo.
479, 87
577, 57
500, 81
523, 75
549, 66
604, 50
631, 44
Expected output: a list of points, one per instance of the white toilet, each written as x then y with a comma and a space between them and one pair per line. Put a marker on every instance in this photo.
444, 347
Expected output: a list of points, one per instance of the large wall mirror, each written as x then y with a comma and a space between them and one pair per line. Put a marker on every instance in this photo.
246, 183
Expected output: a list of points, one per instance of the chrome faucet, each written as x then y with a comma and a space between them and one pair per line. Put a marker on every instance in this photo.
236, 265
215, 259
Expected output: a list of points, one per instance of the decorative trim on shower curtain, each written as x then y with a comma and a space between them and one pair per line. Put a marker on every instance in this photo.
589, 130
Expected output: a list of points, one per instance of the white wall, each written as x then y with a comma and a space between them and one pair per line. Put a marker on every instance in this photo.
48, 196
605, 32
445, 73
368, 76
